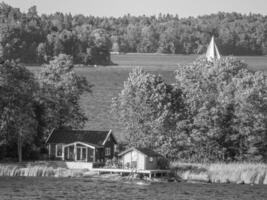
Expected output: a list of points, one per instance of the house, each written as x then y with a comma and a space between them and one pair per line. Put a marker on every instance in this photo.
140, 158
81, 145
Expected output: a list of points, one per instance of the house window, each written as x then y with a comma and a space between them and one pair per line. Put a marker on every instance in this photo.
59, 150
150, 159
107, 151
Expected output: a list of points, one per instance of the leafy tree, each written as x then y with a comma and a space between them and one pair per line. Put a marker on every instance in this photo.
133, 35
169, 41
227, 109
61, 89
99, 47
17, 118
68, 41
151, 111
41, 52
149, 41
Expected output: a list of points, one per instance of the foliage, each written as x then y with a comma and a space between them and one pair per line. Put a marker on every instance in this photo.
60, 91
17, 117
30, 108
37, 39
216, 111
99, 47
227, 110
163, 163
151, 111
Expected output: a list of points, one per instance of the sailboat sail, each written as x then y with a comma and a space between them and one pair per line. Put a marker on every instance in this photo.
212, 51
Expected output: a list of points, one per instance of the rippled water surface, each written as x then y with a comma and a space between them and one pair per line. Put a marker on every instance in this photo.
86, 188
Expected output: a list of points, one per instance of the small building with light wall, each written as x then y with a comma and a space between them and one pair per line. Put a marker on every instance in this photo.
140, 159
81, 145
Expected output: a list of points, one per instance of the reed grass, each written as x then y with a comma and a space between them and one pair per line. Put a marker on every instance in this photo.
247, 173
39, 169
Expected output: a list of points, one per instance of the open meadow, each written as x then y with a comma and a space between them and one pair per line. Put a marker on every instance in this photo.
108, 82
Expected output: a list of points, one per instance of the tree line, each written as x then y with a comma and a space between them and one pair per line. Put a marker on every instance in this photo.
31, 105
214, 111
37, 39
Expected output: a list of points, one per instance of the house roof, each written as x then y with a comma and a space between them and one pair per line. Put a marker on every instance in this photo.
145, 151
66, 136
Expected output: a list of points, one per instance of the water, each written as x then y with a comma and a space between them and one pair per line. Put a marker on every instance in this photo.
89, 188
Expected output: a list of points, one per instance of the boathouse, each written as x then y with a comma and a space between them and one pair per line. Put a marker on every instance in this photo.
140, 159
81, 145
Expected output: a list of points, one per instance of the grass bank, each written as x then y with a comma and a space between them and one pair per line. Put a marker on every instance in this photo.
239, 173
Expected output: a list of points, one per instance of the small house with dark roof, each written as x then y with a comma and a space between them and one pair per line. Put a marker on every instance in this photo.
81, 145
140, 159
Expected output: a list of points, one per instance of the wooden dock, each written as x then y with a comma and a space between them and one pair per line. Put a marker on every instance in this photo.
149, 173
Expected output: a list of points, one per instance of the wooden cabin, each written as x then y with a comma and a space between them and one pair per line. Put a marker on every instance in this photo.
140, 159
81, 145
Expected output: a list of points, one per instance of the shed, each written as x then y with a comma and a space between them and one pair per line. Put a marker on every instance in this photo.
140, 158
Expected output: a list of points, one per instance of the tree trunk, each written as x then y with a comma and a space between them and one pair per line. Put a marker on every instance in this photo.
19, 147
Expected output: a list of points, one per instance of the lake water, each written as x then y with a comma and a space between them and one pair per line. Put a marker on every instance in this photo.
169, 60
88, 188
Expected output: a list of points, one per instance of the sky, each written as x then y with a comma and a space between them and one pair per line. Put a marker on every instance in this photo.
116, 8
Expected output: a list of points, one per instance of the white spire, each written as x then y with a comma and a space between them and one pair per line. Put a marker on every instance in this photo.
212, 51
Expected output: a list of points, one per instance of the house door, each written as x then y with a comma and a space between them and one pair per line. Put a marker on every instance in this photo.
81, 153
134, 160
69, 153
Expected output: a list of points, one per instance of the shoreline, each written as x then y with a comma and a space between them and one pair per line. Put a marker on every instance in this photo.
41, 171
235, 173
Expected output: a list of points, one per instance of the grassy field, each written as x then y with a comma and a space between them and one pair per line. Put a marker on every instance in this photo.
109, 80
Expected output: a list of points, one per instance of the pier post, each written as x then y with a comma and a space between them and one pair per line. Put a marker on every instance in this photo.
75, 152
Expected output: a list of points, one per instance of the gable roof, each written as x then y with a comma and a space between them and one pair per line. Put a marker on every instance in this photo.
66, 136
145, 151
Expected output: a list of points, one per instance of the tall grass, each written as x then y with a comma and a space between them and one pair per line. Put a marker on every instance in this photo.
44, 170
247, 173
